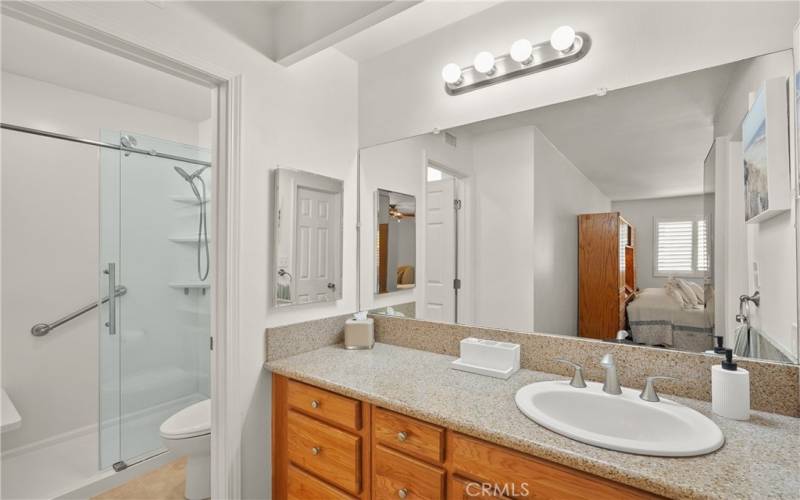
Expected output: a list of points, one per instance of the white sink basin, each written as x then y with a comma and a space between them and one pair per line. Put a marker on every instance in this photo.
622, 423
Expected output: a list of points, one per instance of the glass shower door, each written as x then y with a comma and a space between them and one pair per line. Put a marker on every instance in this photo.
155, 356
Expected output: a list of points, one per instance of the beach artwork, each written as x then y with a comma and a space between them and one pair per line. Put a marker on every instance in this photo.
754, 140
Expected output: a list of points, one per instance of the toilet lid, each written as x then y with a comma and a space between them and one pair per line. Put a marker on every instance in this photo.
194, 420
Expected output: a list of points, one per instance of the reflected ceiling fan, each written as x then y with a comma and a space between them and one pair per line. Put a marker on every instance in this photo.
397, 213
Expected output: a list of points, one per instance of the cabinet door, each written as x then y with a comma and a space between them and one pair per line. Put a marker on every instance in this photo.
522, 476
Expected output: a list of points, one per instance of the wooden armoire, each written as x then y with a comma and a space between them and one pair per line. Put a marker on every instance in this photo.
606, 273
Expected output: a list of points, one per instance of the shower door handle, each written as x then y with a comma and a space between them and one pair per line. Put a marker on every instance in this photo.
112, 298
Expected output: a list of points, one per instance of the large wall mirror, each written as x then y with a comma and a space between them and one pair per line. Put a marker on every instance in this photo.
307, 263
635, 216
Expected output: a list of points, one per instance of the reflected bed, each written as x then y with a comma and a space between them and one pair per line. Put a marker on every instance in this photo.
657, 319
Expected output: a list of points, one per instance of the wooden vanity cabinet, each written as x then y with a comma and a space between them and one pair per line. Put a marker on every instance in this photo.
329, 446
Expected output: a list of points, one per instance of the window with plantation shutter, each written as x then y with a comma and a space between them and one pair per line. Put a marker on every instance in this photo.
680, 245
701, 247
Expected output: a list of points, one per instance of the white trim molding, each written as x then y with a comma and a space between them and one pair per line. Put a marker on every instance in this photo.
226, 417
226, 411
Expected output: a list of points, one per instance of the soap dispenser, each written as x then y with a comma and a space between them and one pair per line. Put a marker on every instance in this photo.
730, 389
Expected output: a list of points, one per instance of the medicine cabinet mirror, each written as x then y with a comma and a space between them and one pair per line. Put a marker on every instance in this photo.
307, 225
395, 241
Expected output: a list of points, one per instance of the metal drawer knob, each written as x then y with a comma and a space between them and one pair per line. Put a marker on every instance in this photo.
315, 450
315, 404
402, 493
402, 436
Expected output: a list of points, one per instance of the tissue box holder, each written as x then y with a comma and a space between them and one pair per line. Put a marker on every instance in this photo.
359, 334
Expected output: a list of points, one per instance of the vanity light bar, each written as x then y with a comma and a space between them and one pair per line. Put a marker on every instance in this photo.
565, 46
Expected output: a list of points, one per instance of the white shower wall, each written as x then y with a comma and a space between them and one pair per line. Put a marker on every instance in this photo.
50, 256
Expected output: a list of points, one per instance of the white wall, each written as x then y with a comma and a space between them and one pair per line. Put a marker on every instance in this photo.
561, 193
771, 244
288, 118
632, 43
503, 229
641, 214
50, 253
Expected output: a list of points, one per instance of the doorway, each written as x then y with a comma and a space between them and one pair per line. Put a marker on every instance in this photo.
445, 247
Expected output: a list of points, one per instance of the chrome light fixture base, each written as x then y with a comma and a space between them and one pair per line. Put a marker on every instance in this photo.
543, 57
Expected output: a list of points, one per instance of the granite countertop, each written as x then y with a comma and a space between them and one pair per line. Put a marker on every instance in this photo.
760, 459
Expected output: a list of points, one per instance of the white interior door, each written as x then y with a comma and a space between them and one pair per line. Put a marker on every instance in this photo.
317, 245
440, 266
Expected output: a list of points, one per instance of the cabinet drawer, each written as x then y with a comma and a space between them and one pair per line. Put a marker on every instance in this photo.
397, 476
529, 477
325, 405
303, 486
419, 439
329, 453
465, 489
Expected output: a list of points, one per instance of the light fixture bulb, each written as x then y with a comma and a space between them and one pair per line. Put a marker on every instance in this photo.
563, 38
484, 63
451, 74
522, 51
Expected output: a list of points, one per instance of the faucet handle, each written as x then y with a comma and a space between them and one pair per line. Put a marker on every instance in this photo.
649, 391
577, 377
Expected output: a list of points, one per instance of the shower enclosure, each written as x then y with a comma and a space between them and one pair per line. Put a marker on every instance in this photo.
154, 340
152, 336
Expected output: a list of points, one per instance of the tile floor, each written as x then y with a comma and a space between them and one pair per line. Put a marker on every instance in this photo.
165, 483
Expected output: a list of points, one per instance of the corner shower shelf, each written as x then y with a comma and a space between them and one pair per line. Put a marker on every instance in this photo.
191, 239
190, 285
191, 200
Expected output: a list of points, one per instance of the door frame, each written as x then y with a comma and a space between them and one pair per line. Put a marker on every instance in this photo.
463, 191
226, 417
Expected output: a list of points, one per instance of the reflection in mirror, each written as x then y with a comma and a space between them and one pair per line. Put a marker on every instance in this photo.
307, 265
621, 217
395, 242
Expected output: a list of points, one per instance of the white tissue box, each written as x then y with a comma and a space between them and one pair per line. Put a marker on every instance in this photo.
488, 357
359, 333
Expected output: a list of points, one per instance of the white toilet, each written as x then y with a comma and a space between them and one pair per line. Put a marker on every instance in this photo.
188, 434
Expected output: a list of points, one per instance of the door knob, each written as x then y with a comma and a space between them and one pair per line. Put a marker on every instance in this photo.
332, 286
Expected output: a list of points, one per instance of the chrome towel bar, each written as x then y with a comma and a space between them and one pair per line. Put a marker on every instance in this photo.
41, 329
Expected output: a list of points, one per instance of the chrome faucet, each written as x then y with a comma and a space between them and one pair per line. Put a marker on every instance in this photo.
611, 384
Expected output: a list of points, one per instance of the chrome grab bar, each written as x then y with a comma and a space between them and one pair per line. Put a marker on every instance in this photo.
42, 329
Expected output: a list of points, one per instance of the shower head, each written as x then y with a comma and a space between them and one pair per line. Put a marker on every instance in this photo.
189, 177
182, 173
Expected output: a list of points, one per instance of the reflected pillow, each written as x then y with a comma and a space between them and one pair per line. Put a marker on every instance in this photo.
688, 294
675, 293
405, 275
698, 292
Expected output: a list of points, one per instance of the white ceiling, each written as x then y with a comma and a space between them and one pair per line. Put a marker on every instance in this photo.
288, 31
34, 52
419, 20
646, 141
